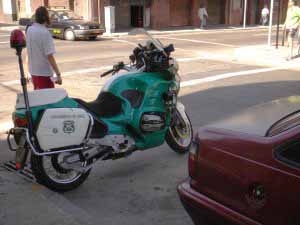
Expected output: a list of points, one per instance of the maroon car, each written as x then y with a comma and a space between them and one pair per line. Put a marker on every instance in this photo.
246, 169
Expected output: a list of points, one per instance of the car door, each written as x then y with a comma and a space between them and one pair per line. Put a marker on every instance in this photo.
284, 184
242, 173
55, 26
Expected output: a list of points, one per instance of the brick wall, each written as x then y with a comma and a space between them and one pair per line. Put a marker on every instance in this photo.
64, 3
195, 5
160, 14
82, 8
122, 11
35, 4
1, 12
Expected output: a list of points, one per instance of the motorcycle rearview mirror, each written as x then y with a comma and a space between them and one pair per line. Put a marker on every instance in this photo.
17, 40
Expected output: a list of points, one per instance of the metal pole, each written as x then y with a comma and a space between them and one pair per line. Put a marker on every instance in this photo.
245, 13
278, 23
271, 23
99, 13
25, 92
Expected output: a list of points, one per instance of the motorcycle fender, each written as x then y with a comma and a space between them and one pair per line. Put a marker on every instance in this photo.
181, 109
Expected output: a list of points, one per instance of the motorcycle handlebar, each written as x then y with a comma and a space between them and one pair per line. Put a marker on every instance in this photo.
107, 72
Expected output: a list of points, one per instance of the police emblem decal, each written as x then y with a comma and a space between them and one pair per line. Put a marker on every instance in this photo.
69, 127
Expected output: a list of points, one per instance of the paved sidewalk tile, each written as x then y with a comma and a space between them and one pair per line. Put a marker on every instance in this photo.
24, 203
262, 55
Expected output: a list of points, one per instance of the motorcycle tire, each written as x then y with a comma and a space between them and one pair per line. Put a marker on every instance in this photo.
173, 143
38, 169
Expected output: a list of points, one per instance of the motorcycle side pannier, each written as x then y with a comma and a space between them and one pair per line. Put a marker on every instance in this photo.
62, 127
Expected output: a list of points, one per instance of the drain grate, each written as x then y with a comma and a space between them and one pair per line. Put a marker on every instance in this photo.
25, 173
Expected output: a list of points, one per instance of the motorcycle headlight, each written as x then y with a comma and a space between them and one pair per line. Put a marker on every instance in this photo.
174, 65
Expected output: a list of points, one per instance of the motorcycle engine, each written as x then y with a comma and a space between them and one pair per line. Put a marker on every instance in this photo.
152, 121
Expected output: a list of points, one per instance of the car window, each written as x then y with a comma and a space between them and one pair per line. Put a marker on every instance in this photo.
286, 123
289, 153
53, 15
68, 15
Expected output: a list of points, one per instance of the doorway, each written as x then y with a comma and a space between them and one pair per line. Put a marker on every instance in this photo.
137, 16
223, 8
216, 10
71, 5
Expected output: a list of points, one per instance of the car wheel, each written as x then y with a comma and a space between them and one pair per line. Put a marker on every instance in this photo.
93, 38
69, 35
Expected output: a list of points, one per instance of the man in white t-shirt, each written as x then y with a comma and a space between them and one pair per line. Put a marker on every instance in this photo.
203, 15
265, 15
40, 51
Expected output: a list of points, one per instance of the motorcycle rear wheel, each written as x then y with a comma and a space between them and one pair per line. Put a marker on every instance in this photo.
57, 182
180, 135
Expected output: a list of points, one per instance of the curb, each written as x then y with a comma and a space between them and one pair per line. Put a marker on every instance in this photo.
154, 32
196, 30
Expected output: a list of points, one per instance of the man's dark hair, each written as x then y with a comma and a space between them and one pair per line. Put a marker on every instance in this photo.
42, 15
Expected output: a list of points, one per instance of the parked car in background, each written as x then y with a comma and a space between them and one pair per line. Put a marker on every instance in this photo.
246, 169
65, 24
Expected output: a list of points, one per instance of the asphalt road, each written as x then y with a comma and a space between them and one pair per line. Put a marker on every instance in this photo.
141, 189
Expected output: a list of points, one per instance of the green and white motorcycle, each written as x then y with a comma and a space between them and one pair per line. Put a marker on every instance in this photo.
137, 109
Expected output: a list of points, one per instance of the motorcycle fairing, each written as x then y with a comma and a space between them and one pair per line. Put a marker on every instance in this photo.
152, 85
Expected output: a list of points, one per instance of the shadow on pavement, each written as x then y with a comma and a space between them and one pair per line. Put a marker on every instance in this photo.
207, 106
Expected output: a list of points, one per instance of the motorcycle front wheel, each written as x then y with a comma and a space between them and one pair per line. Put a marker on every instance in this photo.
180, 134
48, 172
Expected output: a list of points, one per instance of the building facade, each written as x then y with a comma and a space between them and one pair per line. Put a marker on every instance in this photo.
157, 14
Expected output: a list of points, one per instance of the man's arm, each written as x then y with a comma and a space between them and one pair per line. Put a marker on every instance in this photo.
52, 62
205, 13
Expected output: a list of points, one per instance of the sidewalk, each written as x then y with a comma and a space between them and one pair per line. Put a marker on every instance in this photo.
263, 55
27, 203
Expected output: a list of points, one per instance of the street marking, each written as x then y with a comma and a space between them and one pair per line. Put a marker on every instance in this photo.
4, 42
7, 125
127, 42
198, 41
258, 35
4, 35
65, 74
228, 75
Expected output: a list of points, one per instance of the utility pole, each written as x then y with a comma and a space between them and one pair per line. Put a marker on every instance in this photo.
278, 22
271, 23
99, 12
245, 13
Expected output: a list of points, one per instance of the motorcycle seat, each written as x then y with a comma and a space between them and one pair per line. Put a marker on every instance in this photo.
106, 105
41, 97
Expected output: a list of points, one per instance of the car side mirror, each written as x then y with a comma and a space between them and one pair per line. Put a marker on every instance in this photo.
17, 40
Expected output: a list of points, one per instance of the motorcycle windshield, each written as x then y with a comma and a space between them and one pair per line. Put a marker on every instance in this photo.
143, 37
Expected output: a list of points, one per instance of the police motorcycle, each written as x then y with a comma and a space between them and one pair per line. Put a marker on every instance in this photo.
137, 109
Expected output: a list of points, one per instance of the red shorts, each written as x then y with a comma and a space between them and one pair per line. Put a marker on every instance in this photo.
41, 82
